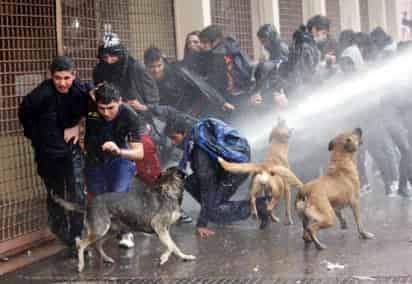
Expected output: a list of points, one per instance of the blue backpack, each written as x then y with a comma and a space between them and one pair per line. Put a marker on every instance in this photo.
221, 140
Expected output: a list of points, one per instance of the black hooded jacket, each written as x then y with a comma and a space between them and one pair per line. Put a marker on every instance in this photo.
216, 69
130, 77
45, 113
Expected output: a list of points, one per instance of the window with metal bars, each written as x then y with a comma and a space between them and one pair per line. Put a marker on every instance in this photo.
236, 18
290, 17
27, 45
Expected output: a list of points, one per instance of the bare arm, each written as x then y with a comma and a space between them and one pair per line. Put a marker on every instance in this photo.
133, 153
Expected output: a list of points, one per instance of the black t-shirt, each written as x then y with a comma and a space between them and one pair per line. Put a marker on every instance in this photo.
124, 128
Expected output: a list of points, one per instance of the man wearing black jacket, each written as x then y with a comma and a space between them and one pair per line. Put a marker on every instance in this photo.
226, 66
209, 184
117, 67
180, 91
50, 115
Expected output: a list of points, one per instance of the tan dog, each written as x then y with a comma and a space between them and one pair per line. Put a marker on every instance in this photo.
320, 200
273, 174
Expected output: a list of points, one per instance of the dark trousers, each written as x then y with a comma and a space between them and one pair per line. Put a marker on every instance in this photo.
64, 177
399, 133
381, 148
224, 211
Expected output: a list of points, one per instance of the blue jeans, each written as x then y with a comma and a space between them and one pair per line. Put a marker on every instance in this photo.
114, 175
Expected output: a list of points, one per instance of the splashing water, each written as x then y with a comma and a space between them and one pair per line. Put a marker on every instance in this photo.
318, 110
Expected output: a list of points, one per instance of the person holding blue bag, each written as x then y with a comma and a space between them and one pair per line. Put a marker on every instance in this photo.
203, 141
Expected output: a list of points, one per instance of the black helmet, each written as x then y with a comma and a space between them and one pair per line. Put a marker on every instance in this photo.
267, 31
110, 45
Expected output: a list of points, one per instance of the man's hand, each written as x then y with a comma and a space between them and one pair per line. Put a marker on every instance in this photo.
137, 106
111, 147
331, 58
280, 99
256, 99
204, 232
228, 106
70, 133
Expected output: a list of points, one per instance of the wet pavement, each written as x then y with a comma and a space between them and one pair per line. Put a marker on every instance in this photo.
241, 253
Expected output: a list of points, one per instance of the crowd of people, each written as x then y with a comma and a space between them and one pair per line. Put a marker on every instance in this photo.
139, 118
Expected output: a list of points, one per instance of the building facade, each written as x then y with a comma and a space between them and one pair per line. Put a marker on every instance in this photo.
32, 32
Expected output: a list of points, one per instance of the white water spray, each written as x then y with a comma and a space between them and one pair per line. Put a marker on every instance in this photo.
356, 94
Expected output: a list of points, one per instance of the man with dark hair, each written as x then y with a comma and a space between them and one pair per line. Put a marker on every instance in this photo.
210, 185
138, 89
319, 27
269, 74
269, 38
116, 66
226, 66
178, 89
50, 115
112, 142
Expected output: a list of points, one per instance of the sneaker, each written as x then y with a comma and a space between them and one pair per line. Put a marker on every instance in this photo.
394, 186
127, 240
405, 194
184, 218
392, 189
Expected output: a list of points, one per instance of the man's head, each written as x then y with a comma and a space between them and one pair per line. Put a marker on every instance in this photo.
319, 26
192, 42
108, 101
111, 50
62, 73
210, 37
154, 62
267, 34
178, 127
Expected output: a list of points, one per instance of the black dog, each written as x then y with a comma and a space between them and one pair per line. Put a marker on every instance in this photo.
150, 211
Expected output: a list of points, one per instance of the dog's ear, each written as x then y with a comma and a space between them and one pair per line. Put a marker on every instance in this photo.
331, 145
272, 133
358, 131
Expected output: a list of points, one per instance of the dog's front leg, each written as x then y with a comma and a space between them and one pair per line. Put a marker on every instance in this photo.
99, 246
356, 214
165, 238
341, 218
287, 206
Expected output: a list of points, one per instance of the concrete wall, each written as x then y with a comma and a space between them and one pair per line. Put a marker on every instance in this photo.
350, 17
189, 16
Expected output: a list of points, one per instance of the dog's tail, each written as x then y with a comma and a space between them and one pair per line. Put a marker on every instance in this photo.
239, 167
69, 206
282, 171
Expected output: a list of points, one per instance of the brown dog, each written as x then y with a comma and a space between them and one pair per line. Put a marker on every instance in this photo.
320, 200
272, 174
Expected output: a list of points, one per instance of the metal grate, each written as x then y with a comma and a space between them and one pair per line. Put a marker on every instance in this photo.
333, 13
290, 17
79, 34
151, 23
27, 44
236, 18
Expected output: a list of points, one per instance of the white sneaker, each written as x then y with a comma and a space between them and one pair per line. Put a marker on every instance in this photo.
394, 186
127, 240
